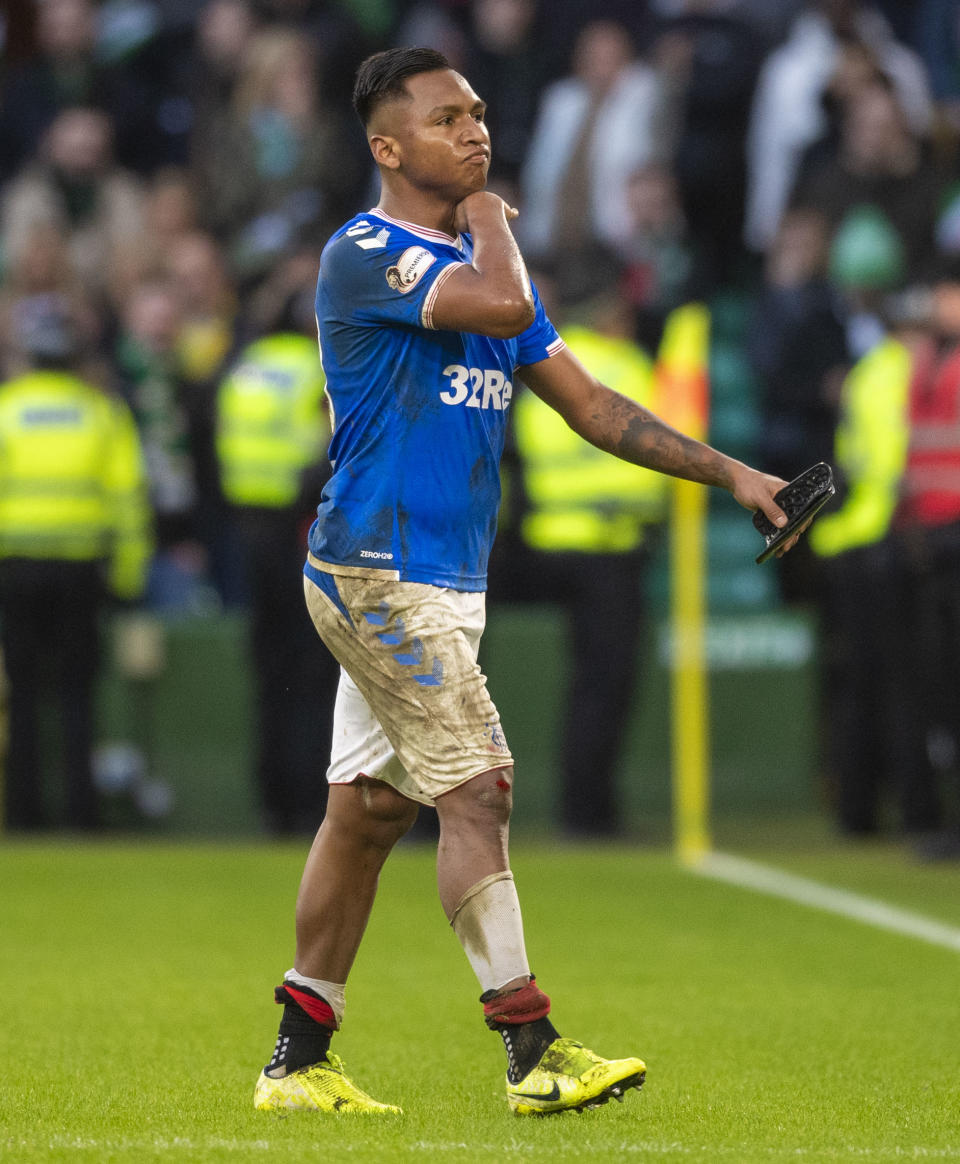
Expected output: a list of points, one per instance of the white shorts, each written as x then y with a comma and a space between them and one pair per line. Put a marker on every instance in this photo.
412, 707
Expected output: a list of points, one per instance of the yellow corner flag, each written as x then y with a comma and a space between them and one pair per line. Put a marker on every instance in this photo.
682, 381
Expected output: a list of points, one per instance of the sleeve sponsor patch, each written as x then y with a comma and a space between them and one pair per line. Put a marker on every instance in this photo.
409, 269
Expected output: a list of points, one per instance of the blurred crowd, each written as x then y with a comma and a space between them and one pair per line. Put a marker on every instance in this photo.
170, 169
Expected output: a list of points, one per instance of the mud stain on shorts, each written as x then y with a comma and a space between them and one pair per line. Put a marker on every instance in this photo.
410, 651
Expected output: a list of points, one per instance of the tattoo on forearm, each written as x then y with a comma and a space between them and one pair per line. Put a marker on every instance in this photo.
634, 434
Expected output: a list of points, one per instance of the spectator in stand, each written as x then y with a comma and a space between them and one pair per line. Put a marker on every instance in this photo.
170, 212
208, 299
657, 253
562, 21
938, 39
866, 264
594, 129
856, 69
223, 33
337, 34
277, 169
147, 372
507, 67
710, 59
60, 74
796, 344
78, 60
171, 207
207, 339
788, 115
42, 270
142, 47
882, 164
436, 26
75, 186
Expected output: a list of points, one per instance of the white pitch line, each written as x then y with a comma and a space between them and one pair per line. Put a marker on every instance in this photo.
135, 1148
869, 910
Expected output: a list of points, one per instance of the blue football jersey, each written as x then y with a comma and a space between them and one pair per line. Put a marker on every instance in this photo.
419, 415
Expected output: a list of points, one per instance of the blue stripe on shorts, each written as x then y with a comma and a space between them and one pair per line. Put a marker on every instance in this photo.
328, 584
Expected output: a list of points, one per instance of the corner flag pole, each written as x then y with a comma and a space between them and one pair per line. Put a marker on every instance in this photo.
682, 375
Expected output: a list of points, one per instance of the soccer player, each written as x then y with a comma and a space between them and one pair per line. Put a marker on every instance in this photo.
426, 319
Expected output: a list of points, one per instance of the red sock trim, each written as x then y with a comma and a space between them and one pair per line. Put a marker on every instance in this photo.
525, 1005
317, 1008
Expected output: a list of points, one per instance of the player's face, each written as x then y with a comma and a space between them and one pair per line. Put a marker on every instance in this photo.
442, 143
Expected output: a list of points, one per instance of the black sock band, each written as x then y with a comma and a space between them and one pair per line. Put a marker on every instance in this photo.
525, 1043
301, 1040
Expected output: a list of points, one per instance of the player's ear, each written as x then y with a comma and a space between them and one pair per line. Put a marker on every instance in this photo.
385, 150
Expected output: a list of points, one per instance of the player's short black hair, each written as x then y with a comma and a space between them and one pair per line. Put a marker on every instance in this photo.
382, 76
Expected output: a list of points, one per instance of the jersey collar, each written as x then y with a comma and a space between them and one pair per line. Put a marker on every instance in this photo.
423, 232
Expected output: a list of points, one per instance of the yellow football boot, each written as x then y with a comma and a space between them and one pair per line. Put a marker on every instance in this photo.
319, 1087
571, 1078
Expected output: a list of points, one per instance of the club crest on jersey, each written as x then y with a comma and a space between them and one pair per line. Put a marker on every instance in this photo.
409, 269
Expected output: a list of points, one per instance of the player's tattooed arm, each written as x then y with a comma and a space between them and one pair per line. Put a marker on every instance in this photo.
624, 428
631, 432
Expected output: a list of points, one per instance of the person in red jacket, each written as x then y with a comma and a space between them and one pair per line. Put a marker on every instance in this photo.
928, 524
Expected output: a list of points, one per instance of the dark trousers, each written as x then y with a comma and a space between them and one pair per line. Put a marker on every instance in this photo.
876, 699
295, 676
50, 614
603, 598
929, 621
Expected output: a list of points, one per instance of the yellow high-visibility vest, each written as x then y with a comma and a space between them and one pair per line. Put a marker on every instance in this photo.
871, 449
72, 478
581, 498
271, 422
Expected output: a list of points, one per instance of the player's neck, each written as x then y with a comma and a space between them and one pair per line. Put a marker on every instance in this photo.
420, 209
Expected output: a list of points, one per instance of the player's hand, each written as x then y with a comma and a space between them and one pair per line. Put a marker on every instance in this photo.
479, 203
755, 490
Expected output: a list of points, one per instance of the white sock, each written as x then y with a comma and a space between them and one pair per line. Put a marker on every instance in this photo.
331, 992
488, 923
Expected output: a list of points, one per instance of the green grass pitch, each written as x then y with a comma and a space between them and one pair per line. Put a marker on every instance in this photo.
136, 984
